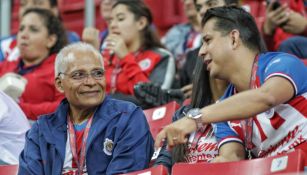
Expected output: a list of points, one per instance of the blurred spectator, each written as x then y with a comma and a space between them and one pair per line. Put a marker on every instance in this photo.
133, 52
105, 12
183, 37
89, 133
285, 27
13, 127
201, 145
40, 36
8, 45
267, 91
91, 34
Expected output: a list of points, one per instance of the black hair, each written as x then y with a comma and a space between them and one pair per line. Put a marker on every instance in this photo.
139, 9
230, 18
201, 96
201, 92
53, 25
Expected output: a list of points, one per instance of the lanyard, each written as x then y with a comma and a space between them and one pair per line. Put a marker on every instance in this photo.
73, 146
247, 124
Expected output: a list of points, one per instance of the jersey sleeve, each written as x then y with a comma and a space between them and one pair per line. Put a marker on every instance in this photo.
290, 68
225, 134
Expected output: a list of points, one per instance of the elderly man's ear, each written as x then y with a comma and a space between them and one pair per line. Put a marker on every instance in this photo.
58, 84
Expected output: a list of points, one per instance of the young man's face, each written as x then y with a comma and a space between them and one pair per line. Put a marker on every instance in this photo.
215, 50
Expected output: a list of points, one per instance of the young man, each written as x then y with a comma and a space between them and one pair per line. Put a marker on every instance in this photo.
268, 91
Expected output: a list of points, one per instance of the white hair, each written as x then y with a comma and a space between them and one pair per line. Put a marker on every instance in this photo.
67, 55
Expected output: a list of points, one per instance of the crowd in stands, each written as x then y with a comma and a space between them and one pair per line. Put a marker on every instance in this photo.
74, 105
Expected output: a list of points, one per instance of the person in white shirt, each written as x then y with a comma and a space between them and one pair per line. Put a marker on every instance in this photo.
13, 127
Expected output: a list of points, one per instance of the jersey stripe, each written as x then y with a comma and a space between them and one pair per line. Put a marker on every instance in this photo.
285, 76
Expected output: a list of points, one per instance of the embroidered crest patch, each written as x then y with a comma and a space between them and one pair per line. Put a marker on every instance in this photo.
145, 64
108, 146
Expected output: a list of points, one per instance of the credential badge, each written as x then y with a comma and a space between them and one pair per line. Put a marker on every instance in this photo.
108, 146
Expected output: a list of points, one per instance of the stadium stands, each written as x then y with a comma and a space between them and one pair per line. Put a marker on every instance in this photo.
158, 117
292, 162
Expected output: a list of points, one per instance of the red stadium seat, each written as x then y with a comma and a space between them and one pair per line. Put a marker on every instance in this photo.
158, 170
286, 163
158, 117
305, 61
8, 169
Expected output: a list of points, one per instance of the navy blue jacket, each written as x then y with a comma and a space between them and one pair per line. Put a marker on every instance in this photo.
122, 122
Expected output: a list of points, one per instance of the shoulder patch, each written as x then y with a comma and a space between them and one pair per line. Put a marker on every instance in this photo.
145, 64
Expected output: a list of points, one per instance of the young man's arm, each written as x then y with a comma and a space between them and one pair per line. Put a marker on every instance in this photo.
274, 91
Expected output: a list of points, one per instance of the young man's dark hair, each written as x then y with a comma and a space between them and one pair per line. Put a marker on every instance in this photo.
230, 18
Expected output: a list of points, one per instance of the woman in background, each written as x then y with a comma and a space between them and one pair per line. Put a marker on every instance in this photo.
41, 35
132, 51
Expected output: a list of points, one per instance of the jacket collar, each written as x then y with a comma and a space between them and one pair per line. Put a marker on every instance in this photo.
58, 134
103, 115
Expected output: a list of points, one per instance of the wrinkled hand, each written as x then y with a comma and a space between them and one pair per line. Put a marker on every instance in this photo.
296, 23
116, 44
90, 35
275, 18
187, 90
176, 132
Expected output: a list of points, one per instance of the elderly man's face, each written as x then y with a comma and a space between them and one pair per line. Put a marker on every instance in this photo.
83, 82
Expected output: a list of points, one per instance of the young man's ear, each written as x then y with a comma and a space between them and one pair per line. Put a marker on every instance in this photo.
235, 39
58, 84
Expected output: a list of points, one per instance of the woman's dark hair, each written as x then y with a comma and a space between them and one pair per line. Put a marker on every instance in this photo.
201, 92
139, 9
201, 96
54, 27
230, 18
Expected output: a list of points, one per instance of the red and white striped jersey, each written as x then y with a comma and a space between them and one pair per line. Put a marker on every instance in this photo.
283, 127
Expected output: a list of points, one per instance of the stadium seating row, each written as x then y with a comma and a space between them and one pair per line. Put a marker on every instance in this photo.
292, 162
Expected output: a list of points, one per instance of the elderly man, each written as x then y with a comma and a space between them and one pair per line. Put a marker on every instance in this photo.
267, 91
89, 133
